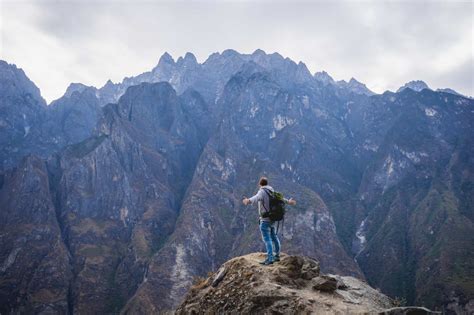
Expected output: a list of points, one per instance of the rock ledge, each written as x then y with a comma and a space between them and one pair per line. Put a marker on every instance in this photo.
293, 285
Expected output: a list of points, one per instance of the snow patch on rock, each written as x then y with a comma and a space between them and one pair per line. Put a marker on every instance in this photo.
26, 127
228, 169
27, 130
412, 156
389, 166
286, 165
280, 122
369, 146
305, 101
253, 111
430, 112
320, 114
124, 215
391, 172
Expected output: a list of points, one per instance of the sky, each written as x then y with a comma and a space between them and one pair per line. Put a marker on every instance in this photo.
383, 44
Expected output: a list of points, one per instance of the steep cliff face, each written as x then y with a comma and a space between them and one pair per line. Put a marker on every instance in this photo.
28, 126
72, 118
419, 175
213, 225
21, 109
119, 192
35, 270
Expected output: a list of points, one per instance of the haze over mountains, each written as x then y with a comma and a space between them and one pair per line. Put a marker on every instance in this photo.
114, 198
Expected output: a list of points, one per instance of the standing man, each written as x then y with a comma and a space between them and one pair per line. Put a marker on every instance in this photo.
267, 227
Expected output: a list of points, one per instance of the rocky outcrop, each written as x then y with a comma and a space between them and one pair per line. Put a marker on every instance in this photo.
293, 285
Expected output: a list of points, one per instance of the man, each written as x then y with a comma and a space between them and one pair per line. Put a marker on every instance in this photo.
267, 227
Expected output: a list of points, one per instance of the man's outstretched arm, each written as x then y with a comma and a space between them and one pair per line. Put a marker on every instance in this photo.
290, 201
253, 199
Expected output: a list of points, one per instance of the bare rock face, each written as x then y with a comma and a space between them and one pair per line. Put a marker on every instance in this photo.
28, 126
34, 261
293, 285
118, 193
325, 283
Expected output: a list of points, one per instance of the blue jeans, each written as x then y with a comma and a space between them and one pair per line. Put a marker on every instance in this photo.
269, 236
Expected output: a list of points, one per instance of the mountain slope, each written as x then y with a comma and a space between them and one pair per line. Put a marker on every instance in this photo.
28, 126
140, 183
35, 270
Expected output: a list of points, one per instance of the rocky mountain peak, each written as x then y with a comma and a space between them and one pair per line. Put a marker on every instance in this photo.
165, 59
229, 53
302, 66
108, 85
295, 284
355, 86
324, 77
13, 81
109, 82
189, 60
416, 85
78, 87
259, 52
353, 81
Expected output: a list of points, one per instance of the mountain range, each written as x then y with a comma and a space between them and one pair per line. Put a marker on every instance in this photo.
114, 199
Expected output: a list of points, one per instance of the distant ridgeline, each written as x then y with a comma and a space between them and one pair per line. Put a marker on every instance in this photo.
114, 199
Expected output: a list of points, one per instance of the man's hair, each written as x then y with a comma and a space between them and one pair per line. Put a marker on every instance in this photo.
263, 181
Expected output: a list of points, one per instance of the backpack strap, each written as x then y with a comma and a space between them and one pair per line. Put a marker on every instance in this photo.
278, 226
266, 190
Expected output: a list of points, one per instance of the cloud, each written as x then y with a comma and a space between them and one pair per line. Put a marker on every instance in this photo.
381, 44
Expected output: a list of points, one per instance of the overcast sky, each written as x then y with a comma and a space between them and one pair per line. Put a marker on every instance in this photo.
383, 44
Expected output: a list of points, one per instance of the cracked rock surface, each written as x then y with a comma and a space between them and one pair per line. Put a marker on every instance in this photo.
293, 285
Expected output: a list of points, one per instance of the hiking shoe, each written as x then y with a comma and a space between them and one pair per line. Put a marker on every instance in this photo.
276, 258
266, 262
